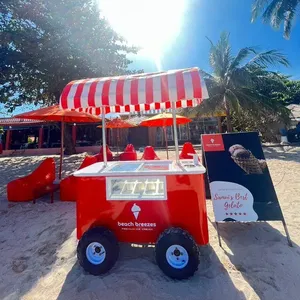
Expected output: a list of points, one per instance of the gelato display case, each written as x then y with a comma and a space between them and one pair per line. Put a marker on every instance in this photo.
120, 188
142, 168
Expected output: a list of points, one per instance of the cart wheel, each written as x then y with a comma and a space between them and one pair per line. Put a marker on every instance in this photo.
98, 250
177, 254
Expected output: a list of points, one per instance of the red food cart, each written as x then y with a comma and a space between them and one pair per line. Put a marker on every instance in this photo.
158, 202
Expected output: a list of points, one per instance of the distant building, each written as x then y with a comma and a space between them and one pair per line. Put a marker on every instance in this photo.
21, 134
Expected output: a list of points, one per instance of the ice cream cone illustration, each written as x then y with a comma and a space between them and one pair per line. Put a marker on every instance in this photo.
246, 160
135, 210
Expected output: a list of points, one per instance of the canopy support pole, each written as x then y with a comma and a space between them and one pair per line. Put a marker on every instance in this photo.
104, 136
175, 132
61, 148
166, 141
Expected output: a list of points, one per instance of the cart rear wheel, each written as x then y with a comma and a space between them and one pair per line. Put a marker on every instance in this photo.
177, 254
98, 250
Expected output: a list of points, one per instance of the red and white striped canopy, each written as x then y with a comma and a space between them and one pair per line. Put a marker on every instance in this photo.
138, 92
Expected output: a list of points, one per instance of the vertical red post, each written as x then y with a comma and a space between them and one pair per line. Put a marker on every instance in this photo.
74, 134
41, 136
108, 139
8, 139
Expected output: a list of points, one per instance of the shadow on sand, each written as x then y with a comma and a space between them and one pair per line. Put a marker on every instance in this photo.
286, 153
30, 236
136, 276
262, 255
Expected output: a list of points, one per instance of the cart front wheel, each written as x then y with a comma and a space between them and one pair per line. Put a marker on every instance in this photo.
177, 254
98, 250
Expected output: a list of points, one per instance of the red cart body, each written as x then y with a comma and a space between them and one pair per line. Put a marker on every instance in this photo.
184, 207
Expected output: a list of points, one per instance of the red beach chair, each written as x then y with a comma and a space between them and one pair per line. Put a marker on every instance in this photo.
68, 184
34, 185
187, 149
149, 154
129, 153
109, 154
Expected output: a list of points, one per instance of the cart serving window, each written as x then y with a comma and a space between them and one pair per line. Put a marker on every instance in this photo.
134, 93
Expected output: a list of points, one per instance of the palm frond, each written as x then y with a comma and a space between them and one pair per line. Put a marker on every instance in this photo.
241, 56
289, 16
271, 11
288, 24
275, 12
205, 74
267, 58
233, 100
241, 77
257, 8
220, 55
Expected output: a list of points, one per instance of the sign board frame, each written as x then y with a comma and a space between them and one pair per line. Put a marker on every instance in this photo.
239, 181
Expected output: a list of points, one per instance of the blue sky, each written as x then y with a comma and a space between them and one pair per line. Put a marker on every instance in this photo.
211, 17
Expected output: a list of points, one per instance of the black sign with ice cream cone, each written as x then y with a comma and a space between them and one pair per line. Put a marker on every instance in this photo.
240, 184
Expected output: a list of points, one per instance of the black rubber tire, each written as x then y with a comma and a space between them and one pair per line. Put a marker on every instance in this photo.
110, 243
177, 236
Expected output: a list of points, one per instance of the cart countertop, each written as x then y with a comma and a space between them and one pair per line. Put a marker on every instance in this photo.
138, 168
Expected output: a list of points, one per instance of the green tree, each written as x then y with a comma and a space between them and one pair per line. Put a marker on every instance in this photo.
291, 94
276, 12
242, 82
46, 44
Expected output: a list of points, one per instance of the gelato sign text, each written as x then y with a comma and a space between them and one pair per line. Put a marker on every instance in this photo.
231, 200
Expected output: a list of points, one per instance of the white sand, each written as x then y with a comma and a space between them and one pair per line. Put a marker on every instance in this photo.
38, 250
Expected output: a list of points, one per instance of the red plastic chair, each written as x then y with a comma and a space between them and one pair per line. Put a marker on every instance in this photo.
186, 150
34, 185
129, 153
100, 157
149, 154
68, 184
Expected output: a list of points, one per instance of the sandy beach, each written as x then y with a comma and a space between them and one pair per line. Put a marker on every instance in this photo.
38, 249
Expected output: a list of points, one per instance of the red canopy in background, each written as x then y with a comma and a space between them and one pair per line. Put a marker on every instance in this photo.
117, 124
163, 120
55, 114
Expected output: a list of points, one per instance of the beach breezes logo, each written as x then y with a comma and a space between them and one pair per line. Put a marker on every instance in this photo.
135, 210
130, 225
212, 142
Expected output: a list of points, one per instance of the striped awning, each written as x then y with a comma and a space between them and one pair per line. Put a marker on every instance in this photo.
138, 92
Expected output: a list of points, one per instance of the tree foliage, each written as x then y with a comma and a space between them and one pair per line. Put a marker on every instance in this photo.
291, 94
242, 82
47, 43
276, 13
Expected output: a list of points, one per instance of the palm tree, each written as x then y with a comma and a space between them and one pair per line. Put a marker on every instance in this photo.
238, 82
275, 12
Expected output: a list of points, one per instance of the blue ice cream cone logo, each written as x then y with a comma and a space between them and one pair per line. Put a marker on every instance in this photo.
135, 210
